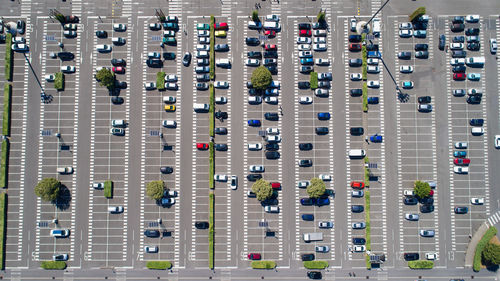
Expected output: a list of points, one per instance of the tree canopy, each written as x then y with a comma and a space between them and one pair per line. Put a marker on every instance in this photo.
255, 15
321, 17
422, 189
491, 253
261, 78
154, 190
48, 189
262, 189
316, 188
106, 78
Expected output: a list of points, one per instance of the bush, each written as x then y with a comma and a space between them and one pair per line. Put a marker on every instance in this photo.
262, 189
211, 165
420, 11
160, 81
59, 81
422, 189
255, 15
60, 17
492, 231
106, 78
263, 264
364, 65
368, 262
108, 189
315, 264
261, 78
367, 220
211, 117
491, 254
4, 164
212, 47
421, 264
162, 265
58, 265
154, 189
316, 188
367, 172
7, 102
48, 189
365, 97
9, 57
313, 80
3, 213
211, 231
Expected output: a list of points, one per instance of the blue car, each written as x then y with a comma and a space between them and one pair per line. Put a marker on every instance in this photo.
254, 123
474, 76
308, 217
372, 100
376, 138
170, 26
324, 116
460, 154
374, 54
420, 33
307, 61
322, 201
307, 201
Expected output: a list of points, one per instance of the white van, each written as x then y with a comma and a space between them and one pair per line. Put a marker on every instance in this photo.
357, 153
477, 131
377, 28
201, 107
223, 62
272, 25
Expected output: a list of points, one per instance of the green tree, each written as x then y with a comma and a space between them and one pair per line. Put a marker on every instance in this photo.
261, 78
263, 189
106, 78
255, 15
48, 189
60, 17
316, 188
491, 253
420, 11
422, 189
321, 17
154, 189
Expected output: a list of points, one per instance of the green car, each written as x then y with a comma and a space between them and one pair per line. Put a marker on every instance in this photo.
203, 26
169, 40
170, 26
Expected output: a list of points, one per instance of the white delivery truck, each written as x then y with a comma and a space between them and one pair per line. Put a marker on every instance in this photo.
377, 28
314, 236
475, 61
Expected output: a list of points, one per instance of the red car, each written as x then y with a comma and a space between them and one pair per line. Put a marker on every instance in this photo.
220, 26
431, 193
357, 184
270, 33
270, 47
118, 69
305, 32
276, 185
354, 47
462, 161
458, 76
254, 256
202, 146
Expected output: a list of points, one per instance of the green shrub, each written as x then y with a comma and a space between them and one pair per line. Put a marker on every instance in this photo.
211, 112
421, 264
7, 102
162, 265
315, 264
364, 58
321, 17
160, 80
255, 15
261, 78
367, 262
212, 47
211, 230
263, 264
9, 57
365, 97
492, 231
313, 80
420, 11
4, 164
108, 189
367, 220
3, 213
211, 165
59, 265
59, 81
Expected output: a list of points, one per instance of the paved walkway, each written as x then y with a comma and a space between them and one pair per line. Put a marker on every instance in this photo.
471, 249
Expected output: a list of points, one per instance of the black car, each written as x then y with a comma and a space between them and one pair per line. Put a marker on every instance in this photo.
2, 38
357, 208
422, 54
254, 92
273, 69
372, 47
305, 146
254, 177
272, 146
458, 19
272, 155
461, 210
305, 163
458, 39
186, 59
409, 200
201, 224
411, 256
72, 19
307, 257
271, 116
426, 208
269, 202
442, 42
321, 130
249, 85
357, 131
152, 233
421, 47
306, 69
118, 62
355, 62
473, 46
472, 31
427, 200
304, 85
154, 63
120, 84
21, 27
221, 147
101, 34
221, 131
457, 27
202, 86
65, 55
254, 55
314, 275
476, 122
420, 25
458, 54
252, 41
202, 77
221, 115
404, 55
355, 38
358, 241
166, 170
271, 54
475, 99
117, 100
324, 84
356, 92
424, 99
168, 55
221, 47
304, 25
458, 68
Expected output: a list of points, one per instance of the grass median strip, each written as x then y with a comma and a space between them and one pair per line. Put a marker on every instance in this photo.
315, 264
4, 165
9, 57
212, 47
211, 165
108, 189
313, 80
59, 81
3, 214
263, 264
492, 231
367, 172
160, 81
421, 264
58, 265
211, 117
211, 230
7, 95
160, 265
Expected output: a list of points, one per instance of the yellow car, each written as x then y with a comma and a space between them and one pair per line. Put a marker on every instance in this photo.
220, 33
169, 107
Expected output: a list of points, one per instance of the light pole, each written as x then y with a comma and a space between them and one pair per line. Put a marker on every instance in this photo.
401, 96
364, 27
36, 77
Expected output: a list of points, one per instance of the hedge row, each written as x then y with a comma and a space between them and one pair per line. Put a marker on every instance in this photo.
367, 172
211, 117
9, 57
212, 47
492, 231
162, 265
365, 97
263, 264
367, 219
108, 189
315, 264
314, 80
59, 81
420, 11
3, 214
7, 102
421, 264
160, 80
4, 164
211, 165
59, 265
211, 231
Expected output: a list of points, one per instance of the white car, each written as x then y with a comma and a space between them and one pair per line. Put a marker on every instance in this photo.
59, 233
271, 100
431, 256
18, 47
472, 18
272, 18
304, 47
356, 76
60, 257
353, 24
169, 124
322, 61
321, 92
220, 100
405, 25
459, 61
273, 139
254, 146
304, 40
319, 47
221, 85
219, 177
477, 131
319, 33
149, 85
457, 46
373, 84
119, 27
171, 86
493, 46
461, 170
273, 131
103, 48
372, 61
234, 182
305, 100
305, 54
408, 193
115, 209
319, 40
254, 25
171, 78
151, 249
252, 62
98, 185
203, 33
50, 77
461, 145
497, 141
405, 33
325, 224
69, 33
303, 184
18, 39
477, 201
359, 248
68, 69
202, 47
412, 217
373, 69
254, 100
406, 69
322, 249
272, 209
154, 55
325, 177
203, 40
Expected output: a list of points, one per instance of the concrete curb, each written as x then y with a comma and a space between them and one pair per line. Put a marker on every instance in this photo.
471, 248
